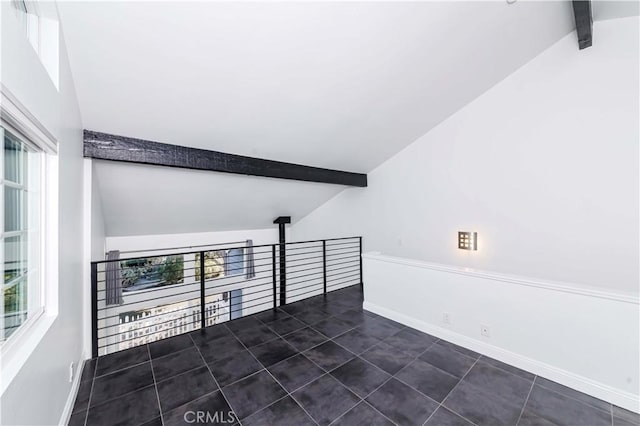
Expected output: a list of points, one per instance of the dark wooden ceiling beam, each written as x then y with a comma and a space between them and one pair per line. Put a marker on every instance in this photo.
104, 146
584, 22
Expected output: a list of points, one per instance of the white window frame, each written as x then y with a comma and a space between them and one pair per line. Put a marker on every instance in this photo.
38, 272
15, 351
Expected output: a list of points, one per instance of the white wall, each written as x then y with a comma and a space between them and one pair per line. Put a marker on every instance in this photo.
587, 340
544, 166
38, 394
98, 237
94, 241
141, 243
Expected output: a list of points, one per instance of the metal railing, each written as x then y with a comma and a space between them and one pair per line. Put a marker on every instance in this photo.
143, 299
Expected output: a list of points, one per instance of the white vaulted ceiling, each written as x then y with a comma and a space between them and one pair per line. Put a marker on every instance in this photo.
335, 85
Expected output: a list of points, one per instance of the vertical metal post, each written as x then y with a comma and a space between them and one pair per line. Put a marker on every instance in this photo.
324, 264
281, 221
273, 269
202, 313
94, 309
361, 282
283, 266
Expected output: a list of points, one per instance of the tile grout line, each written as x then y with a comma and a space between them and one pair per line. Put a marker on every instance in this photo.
325, 372
305, 325
155, 385
503, 369
275, 402
110, 400
361, 402
302, 353
418, 390
276, 380
263, 367
340, 384
391, 376
454, 388
214, 379
527, 399
377, 411
348, 350
120, 395
180, 374
259, 322
93, 380
479, 359
575, 399
123, 368
347, 331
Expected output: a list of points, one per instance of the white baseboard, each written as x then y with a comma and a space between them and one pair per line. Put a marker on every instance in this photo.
73, 393
583, 384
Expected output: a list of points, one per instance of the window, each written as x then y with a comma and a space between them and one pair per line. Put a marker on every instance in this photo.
41, 28
29, 19
21, 172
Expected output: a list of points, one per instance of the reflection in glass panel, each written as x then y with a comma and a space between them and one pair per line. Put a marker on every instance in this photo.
14, 209
15, 258
214, 265
15, 306
142, 274
14, 159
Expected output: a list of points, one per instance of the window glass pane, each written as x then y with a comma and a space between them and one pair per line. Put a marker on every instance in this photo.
14, 209
15, 258
21, 234
32, 212
14, 159
15, 306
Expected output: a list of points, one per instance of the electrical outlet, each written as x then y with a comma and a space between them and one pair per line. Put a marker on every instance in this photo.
71, 372
446, 318
485, 330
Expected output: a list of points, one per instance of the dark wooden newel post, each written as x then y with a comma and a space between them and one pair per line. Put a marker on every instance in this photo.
281, 221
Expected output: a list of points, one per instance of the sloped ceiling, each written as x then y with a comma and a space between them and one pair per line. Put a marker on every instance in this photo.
603, 10
336, 85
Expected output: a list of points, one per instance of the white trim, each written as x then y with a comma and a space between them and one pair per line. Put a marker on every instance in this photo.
13, 360
16, 350
73, 393
22, 331
583, 384
87, 237
50, 235
20, 120
513, 279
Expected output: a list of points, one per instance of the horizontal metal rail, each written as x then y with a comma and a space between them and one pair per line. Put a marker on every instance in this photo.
168, 294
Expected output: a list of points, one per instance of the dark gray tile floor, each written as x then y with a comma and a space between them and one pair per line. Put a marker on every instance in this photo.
323, 361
